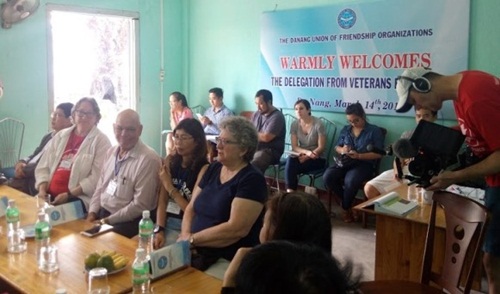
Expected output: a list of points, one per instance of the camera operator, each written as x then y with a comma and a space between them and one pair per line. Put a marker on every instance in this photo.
389, 180
476, 99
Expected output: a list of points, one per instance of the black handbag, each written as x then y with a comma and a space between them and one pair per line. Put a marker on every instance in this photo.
345, 161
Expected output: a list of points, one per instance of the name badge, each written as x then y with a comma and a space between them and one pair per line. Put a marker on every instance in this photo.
66, 164
111, 189
173, 208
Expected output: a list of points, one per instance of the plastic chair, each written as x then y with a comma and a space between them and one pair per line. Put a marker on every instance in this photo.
11, 142
331, 131
289, 119
247, 114
466, 221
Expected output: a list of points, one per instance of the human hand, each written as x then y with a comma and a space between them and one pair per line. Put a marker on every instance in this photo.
442, 181
353, 154
60, 199
18, 171
345, 149
159, 240
303, 158
232, 269
91, 217
205, 120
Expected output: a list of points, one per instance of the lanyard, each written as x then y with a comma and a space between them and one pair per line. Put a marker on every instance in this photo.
119, 162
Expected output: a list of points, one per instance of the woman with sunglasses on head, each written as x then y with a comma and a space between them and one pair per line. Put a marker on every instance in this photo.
354, 164
179, 110
226, 210
70, 167
180, 173
308, 138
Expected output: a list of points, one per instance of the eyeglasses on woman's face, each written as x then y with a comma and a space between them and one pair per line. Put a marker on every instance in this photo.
81, 113
182, 138
223, 142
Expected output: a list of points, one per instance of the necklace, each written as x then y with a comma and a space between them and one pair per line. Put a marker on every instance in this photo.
306, 126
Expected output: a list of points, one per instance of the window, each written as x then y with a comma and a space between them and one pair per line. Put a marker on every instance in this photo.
93, 53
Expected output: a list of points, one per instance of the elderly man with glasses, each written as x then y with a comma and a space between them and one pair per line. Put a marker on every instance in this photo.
128, 180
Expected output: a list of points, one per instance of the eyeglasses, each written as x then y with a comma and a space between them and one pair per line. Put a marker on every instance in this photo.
182, 138
119, 130
223, 142
81, 113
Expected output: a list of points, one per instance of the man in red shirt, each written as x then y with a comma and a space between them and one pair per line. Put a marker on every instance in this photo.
476, 99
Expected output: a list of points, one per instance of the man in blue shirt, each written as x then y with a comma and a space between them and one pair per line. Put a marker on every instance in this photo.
216, 113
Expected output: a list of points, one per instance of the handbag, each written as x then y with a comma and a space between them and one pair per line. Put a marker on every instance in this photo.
345, 161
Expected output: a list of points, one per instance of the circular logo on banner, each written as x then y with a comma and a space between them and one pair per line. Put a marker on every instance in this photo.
346, 18
162, 262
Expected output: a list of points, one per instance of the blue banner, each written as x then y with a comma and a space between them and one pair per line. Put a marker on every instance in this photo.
337, 55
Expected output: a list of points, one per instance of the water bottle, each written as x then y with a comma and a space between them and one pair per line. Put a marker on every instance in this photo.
140, 272
15, 235
42, 236
146, 233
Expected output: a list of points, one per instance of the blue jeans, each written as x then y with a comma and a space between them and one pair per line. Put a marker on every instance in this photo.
293, 168
346, 181
492, 239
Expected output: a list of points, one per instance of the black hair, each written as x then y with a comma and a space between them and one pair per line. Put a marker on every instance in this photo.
217, 92
194, 128
180, 97
266, 95
66, 108
356, 109
306, 104
300, 217
285, 267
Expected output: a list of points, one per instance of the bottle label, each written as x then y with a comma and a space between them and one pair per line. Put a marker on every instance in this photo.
12, 215
42, 233
140, 273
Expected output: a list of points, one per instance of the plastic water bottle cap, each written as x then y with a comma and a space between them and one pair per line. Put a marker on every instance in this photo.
145, 214
61, 291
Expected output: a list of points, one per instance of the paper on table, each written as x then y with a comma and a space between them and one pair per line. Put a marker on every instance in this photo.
392, 203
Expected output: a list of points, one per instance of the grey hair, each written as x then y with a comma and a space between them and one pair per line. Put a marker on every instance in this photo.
93, 103
244, 132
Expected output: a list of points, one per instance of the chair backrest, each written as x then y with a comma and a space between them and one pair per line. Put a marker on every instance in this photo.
11, 141
247, 114
331, 131
377, 164
289, 119
466, 221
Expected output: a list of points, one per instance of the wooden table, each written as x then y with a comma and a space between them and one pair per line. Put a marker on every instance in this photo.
397, 287
400, 241
20, 272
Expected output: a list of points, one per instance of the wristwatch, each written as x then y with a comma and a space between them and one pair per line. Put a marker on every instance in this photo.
158, 229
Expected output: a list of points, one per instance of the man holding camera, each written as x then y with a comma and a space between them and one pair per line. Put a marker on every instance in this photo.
388, 180
476, 99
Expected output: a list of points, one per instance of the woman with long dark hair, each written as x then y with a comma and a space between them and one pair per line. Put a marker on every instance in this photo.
179, 175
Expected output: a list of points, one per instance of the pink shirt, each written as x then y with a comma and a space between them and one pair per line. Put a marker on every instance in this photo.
186, 113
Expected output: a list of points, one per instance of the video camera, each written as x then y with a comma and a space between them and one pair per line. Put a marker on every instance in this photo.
433, 148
